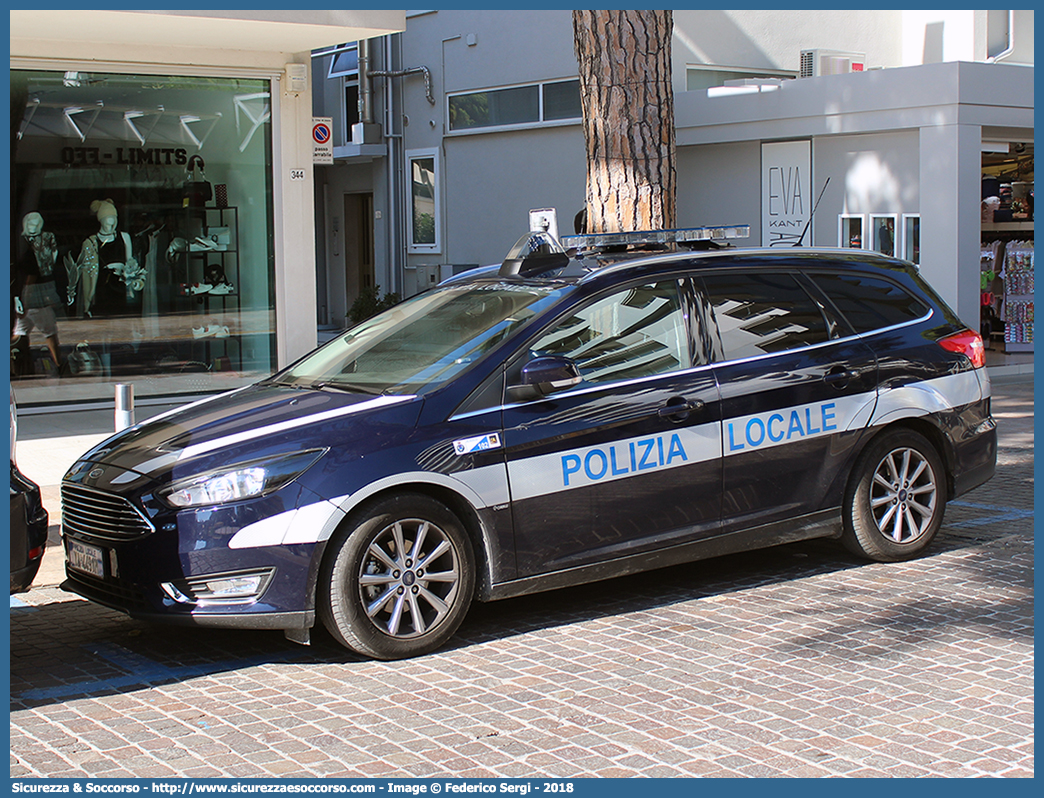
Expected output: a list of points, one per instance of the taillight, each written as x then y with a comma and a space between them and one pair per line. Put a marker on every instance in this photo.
967, 343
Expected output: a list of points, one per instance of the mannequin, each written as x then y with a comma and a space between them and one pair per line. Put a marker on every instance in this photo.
109, 277
36, 296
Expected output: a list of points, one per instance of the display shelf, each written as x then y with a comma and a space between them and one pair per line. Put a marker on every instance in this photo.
217, 343
1008, 227
1008, 298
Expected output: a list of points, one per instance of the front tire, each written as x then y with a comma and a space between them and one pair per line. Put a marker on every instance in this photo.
895, 501
399, 583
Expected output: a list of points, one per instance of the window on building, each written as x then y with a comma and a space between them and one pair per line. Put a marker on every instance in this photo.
701, 78
883, 228
850, 231
424, 200
154, 265
345, 62
912, 237
517, 105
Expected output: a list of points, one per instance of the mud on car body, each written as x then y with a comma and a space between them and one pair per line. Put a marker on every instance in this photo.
562, 419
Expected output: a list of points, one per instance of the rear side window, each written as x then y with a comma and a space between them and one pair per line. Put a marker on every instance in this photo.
759, 314
869, 303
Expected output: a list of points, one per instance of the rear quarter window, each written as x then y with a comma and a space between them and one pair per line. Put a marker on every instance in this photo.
869, 302
765, 313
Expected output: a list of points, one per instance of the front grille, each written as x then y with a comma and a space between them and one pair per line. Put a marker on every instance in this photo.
114, 593
95, 514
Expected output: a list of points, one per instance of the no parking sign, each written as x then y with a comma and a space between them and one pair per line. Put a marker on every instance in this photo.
322, 139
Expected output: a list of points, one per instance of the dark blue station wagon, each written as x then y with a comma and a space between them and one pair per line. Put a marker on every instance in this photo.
562, 419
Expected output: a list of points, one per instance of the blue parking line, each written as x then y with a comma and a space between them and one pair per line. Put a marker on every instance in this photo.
998, 514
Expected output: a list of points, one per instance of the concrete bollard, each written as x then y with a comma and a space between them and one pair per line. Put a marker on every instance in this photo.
124, 406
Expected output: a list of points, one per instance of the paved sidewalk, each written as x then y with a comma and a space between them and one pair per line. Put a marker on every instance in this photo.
795, 661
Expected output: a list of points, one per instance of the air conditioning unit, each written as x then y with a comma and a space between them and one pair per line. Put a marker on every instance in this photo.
815, 63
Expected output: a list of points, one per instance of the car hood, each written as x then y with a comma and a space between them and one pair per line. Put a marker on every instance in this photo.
250, 422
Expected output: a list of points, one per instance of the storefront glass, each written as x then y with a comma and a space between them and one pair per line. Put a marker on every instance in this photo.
141, 234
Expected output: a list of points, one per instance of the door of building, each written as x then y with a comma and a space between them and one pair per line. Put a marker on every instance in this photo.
358, 245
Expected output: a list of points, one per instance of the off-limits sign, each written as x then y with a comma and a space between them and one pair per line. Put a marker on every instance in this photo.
322, 139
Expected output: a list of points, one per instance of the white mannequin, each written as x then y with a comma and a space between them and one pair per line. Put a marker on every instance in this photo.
34, 306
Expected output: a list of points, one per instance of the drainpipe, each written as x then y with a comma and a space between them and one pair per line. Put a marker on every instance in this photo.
365, 131
1011, 41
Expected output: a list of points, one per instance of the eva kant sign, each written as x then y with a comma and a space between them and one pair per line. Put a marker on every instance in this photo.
786, 192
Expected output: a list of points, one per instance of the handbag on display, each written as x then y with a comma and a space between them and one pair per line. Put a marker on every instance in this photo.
198, 191
84, 360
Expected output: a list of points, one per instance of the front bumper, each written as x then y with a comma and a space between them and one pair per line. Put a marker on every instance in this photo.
180, 548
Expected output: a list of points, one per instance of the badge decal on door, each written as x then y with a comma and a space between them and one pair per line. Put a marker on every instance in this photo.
480, 443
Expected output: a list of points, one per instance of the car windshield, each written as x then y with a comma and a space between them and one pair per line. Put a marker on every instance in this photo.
420, 344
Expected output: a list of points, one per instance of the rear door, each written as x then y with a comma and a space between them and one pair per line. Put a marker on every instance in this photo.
629, 460
797, 390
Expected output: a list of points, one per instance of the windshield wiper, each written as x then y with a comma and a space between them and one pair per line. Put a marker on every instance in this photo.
345, 387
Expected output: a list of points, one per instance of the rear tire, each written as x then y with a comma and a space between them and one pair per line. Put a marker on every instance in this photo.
896, 498
399, 583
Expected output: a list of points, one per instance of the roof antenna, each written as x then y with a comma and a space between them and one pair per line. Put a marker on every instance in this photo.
800, 241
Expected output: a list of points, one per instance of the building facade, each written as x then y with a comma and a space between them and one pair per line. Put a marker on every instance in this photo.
469, 119
162, 197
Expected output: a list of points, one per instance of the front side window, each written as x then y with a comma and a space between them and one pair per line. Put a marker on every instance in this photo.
638, 332
869, 303
760, 314
422, 343
143, 248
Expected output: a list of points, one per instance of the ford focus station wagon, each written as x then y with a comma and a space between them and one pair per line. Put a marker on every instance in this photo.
561, 419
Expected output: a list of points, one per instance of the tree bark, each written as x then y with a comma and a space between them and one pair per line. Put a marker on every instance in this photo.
628, 115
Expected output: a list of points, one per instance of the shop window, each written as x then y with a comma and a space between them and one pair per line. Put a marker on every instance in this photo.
912, 237
883, 231
424, 200
850, 231
144, 205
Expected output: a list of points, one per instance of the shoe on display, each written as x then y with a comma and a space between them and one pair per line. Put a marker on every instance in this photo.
223, 288
195, 288
200, 244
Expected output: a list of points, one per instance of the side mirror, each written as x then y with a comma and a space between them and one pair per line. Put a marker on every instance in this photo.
544, 375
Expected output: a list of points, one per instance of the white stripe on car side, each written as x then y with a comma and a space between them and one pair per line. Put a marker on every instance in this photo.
312, 523
930, 396
171, 458
563, 471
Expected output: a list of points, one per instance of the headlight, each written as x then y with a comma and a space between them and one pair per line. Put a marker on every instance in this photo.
242, 481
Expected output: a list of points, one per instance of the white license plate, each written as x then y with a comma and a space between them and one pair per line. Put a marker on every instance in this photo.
89, 559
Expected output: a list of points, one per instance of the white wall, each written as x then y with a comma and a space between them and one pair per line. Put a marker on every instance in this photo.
774, 39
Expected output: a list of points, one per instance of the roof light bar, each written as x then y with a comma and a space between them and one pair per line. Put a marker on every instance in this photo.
642, 237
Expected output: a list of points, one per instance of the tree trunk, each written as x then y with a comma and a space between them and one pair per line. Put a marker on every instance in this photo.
628, 106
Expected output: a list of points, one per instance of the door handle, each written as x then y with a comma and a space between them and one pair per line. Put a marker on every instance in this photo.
676, 410
839, 377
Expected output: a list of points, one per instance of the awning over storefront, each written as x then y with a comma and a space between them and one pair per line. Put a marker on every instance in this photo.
287, 31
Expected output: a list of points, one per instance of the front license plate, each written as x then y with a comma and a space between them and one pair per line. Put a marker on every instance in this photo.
89, 559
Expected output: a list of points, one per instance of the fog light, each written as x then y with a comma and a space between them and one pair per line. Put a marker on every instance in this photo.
234, 588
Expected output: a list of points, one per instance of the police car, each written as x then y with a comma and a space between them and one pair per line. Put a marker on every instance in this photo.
569, 416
